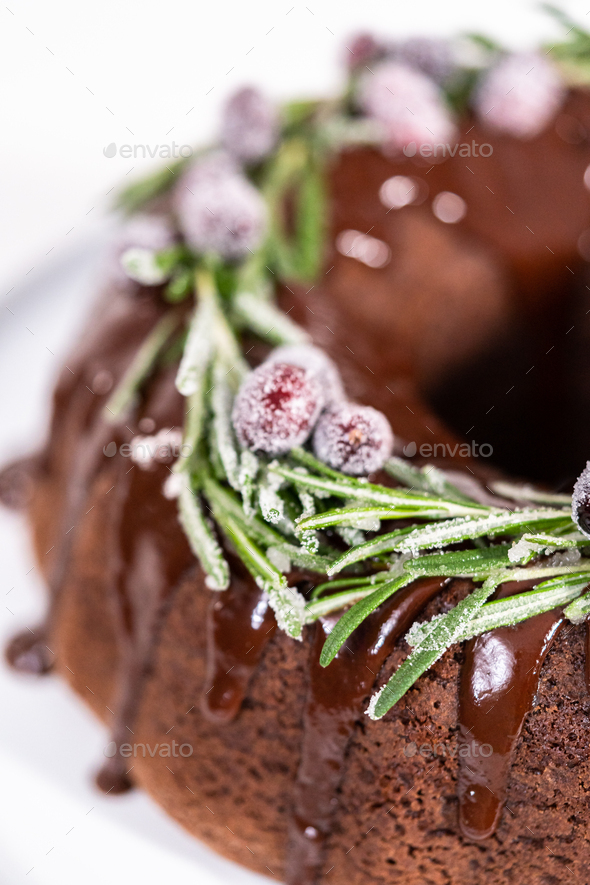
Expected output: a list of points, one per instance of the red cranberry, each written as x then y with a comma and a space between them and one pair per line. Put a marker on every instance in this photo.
581, 501
316, 361
276, 408
352, 438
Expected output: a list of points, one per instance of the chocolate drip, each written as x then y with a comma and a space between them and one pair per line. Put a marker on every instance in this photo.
28, 652
499, 681
239, 624
74, 453
151, 555
334, 704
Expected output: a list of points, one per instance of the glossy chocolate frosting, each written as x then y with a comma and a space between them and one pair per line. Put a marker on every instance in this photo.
445, 293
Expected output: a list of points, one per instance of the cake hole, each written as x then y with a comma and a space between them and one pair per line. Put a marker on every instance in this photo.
400, 191
368, 250
539, 426
448, 207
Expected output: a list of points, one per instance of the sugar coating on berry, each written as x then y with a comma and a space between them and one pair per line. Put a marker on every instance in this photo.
276, 408
361, 49
581, 501
520, 95
219, 210
408, 105
249, 126
316, 361
352, 438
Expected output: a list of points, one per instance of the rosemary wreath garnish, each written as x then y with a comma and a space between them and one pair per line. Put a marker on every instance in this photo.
365, 541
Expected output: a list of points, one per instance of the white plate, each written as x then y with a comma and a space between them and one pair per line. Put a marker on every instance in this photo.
56, 829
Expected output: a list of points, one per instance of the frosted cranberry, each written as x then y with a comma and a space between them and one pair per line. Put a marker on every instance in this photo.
249, 127
276, 408
316, 361
219, 210
407, 105
352, 438
362, 49
520, 95
581, 501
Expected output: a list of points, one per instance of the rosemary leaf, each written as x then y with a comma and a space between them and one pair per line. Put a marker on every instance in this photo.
545, 596
381, 544
445, 631
350, 582
125, 395
495, 523
578, 610
364, 517
202, 540
528, 493
286, 602
301, 557
261, 316
221, 402
352, 618
248, 472
302, 456
461, 563
428, 479
346, 487
224, 503
320, 607
198, 350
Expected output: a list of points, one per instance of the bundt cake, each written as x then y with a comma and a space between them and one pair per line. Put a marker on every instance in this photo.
269, 501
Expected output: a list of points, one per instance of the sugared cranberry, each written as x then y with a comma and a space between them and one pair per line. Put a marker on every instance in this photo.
219, 210
249, 126
520, 95
408, 105
316, 361
276, 408
581, 501
352, 438
362, 49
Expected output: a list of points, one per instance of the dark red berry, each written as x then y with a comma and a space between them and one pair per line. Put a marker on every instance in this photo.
276, 408
249, 127
352, 438
581, 501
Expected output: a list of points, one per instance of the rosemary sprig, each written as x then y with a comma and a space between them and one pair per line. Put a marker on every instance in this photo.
356, 615
202, 540
126, 393
468, 619
443, 634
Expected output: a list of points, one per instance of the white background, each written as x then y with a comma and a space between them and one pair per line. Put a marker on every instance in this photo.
75, 77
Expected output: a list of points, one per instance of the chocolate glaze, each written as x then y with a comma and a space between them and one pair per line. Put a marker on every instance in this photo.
239, 624
111, 340
498, 685
151, 555
422, 301
334, 704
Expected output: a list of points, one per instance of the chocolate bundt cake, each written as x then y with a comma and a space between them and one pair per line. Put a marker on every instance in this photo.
261, 513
